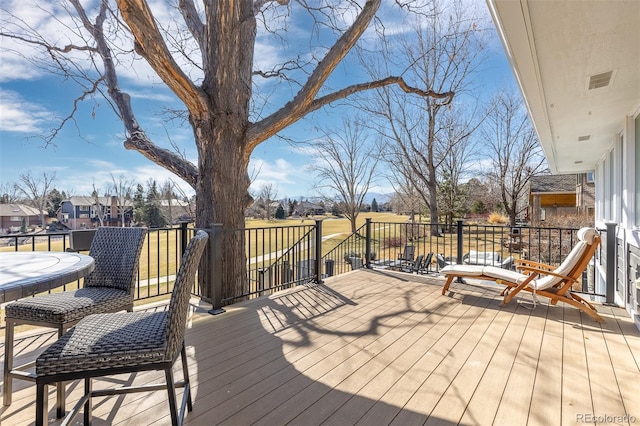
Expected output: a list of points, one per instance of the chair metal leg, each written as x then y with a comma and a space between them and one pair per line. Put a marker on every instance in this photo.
171, 390
42, 405
88, 408
8, 361
7, 387
185, 374
60, 390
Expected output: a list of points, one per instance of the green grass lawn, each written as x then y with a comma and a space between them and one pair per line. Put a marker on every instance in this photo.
160, 251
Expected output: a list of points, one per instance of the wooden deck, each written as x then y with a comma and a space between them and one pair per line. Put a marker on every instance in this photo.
377, 347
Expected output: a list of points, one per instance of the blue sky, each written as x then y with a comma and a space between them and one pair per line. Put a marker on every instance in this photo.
90, 148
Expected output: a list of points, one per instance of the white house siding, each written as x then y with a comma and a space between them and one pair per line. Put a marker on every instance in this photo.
618, 201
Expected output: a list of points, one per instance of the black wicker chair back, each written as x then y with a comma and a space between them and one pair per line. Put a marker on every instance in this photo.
116, 251
179, 304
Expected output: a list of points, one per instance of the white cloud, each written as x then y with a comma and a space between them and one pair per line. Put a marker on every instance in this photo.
19, 115
288, 179
278, 171
16, 68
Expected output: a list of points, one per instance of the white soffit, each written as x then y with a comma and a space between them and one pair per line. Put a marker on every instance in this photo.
557, 49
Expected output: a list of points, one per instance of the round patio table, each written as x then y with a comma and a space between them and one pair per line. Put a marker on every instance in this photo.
23, 274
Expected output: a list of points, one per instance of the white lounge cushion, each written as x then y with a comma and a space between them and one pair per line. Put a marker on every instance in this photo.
483, 258
586, 237
484, 271
466, 270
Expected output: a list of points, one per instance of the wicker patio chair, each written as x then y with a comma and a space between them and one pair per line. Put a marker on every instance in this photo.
109, 288
124, 342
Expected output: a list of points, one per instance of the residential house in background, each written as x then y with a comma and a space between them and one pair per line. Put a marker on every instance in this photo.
306, 208
14, 216
551, 195
586, 194
578, 68
80, 212
176, 211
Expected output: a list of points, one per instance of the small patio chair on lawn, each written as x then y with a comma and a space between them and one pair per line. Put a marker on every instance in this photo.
356, 263
125, 342
109, 288
81, 239
407, 254
413, 266
425, 268
537, 278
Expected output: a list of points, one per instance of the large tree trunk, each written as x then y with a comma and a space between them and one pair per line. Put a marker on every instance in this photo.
219, 110
352, 220
432, 182
222, 196
223, 181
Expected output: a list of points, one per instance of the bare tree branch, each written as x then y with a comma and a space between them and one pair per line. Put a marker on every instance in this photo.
36, 191
192, 19
299, 105
259, 4
151, 46
343, 93
137, 139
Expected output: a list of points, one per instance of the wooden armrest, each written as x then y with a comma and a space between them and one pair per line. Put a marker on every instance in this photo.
539, 271
525, 263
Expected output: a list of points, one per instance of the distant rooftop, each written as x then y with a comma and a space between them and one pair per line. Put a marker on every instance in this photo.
20, 210
554, 183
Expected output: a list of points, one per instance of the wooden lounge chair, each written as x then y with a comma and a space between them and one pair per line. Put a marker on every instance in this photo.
538, 278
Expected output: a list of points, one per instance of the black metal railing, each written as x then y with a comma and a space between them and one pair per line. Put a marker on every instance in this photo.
278, 257
285, 256
159, 260
348, 255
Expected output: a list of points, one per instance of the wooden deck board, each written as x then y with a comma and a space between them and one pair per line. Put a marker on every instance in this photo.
481, 410
516, 398
605, 393
574, 370
377, 347
453, 403
438, 344
546, 401
447, 364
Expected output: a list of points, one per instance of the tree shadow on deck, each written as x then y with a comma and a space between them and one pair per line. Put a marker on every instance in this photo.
315, 355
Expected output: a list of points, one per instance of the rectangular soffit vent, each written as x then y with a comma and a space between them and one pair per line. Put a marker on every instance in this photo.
584, 138
600, 80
